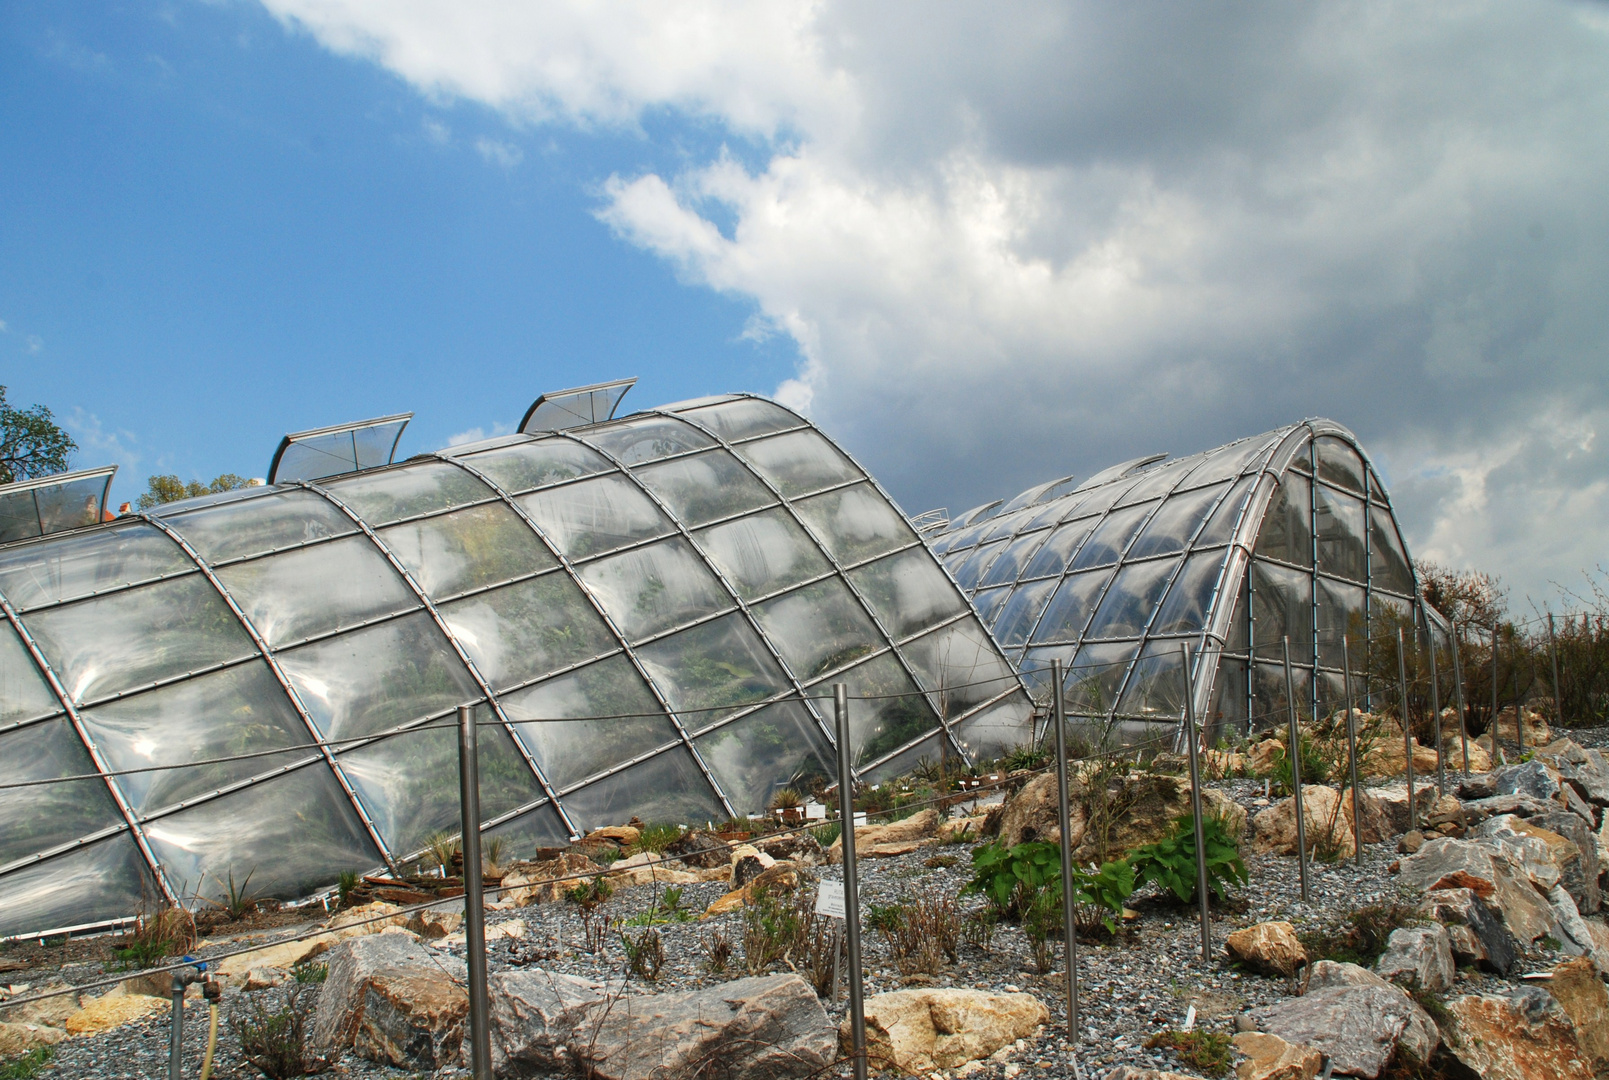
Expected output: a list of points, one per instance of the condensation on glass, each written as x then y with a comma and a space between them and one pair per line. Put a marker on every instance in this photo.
1287, 535
647, 614
52, 504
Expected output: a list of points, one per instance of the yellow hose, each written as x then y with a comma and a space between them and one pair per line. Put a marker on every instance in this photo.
212, 1044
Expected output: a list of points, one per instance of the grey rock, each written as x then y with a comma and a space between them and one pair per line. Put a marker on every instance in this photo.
1474, 931
1570, 796
1571, 930
1524, 806
1478, 786
353, 964
1418, 956
413, 1017
1439, 860
1534, 778
1579, 878
700, 849
792, 847
1354, 1016
1530, 853
535, 1017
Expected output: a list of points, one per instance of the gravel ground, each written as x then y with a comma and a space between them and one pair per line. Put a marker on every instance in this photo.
1142, 981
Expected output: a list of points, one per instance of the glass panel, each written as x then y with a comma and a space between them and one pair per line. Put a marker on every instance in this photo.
596, 515
1338, 462
1131, 599
963, 538
987, 603
1342, 548
1051, 512
79, 565
1058, 550
1228, 461
1239, 633
24, 693
712, 670
1268, 706
905, 761
1156, 688
705, 488
283, 519
856, 523
33, 819
1170, 529
1099, 500
886, 710
1222, 526
1228, 718
1185, 609
412, 489
301, 593
1035, 668
959, 667
666, 789
19, 515
1004, 569
780, 746
818, 628
373, 679
316, 457
576, 408
526, 630
100, 647
1152, 484
292, 835
908, 591
655, 588
763, 553
1021, 613
1106, 544
1287, 532
524, 835
571, 749
1097, 675
1071, 607
537, 464
1302, 460
646, 438
743, 418
239, 710
1388, 563
1282, 606
997, 730
457, 552
71, 505
410, 782
1006, 525
972, 568
102, 882
799, 463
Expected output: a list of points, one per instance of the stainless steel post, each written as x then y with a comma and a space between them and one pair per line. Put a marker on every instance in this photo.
480, 1031
846, 814
1558, 692
1458, 690
1059, 718
1193, 743
1352, 752
176, 1036
1407, 731
1435, 710
1296, 771
1491, 728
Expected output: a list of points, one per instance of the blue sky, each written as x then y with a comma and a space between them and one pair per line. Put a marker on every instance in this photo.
983, 245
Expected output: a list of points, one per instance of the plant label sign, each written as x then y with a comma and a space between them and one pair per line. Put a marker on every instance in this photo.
830, 899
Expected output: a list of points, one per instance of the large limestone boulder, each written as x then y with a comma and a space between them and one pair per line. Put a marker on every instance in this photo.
1535, 778
369, 918
1541, 854
1536, 729
1269, 1057
794, 847
47, 1012
412, 1018
353, 965
1574, 933
917, 1031
700, 849
1269, 947
1361, 1021
1150, 803
280, 957
1462, 864
1327, 817
547, 881
1579, 990
19, 1039
647, 868
1474, 932
1521, 1035
896, 838
1578, 869
113, 1010
1418, 957
534, 1017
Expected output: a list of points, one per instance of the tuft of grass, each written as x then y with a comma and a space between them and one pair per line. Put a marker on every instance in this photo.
238, 901
27, 1066
345, 884
656, 838
168, 931
491, 855
1207, 1051
941, 862
1362, 936
310, 972
717, 952
275, 1040
442, 847
645, 954
827, 835
977, 929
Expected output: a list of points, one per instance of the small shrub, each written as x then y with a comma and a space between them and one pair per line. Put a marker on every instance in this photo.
1207, 1051
786, 798
1362, 936
941, 862
823, 943
960, 836
977, 929
717, 952
827, 835
1024, 756
238, 901
1099, 895
275, 1040
997, 871
656, 838
589, 895
28, 1065
645, 954
442, 847
884, 918
1171, 863
310, 971
925, 936
1041, 921
772, 928
345, 884
168, 931
491, 855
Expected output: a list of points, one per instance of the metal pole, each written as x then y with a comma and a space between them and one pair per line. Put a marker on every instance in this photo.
480, 1031
1407, 731
1352, 752
176, 1037
846, 814
1296, 771
1435, 709
1069, 929
1458, 690
1195, 807
1497, 751
1558, 693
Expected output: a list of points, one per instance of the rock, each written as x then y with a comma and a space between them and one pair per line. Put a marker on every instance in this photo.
433, 923
113, 1010
1537, 733
1033, 813
1411, 842
355, 921
1579, 990
1464, 864
1523, 806
647, 868
19, 1039
412, 1017
1572, 931
263, 978
1578, 875
1541, 854
1358, 1019
1129, 1072
779, 879
511, 929
1537, 779
1474, 932
917, 827
1418, 957
1518, 1036
969, 828
283, 956
1270, 947
621, 835
794, 847
700, 849
1475, 787
1326, 813
748, 863
1393, 802
1444, 810
547, 881
1263, 757
1589, 778
1602, 838
534, 1017
917, 1031
1272, 1058
49, 1012
352, 965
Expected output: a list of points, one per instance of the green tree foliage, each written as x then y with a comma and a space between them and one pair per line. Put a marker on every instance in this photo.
30, 443
169, 488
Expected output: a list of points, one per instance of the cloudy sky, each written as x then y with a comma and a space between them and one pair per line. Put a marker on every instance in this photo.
984, 245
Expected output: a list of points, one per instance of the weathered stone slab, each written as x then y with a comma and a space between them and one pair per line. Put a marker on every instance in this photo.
1579, 990
1474, 931
1354, 1016
352, 964
1269, 947
917, 1031
413, 1018
1418, 956
1520, 1036
1270, 1057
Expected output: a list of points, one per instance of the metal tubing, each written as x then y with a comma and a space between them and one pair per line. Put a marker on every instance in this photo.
1558, 692
1407, 731
480, 1032
1435, 711
846, 814
176, 1036
1352, 752
1059, 719
1458, 690
1193, 743
1296, 771
1491, 727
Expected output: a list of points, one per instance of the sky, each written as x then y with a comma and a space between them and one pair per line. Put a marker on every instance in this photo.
982, 246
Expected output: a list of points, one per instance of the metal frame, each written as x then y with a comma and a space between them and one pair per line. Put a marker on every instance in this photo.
335, 429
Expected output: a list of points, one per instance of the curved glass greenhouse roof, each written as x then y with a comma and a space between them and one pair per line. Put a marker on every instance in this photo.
646, 614
1289, 534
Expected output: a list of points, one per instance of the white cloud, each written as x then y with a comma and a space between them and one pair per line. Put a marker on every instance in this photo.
476, 434
36, 343
435, 131
98, 446
502, 154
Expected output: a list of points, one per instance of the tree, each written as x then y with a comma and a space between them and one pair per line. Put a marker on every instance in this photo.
1463, 596
169, 488
30, 443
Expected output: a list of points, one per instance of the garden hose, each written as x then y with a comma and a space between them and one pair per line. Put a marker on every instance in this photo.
212, 991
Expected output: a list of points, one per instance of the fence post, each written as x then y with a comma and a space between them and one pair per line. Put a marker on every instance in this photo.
1558, 692
1407, 731
1352, 751
1497, 749
1069, 929
480, 1032
846, 814
1193, 743
1435, 709
1296, 771
1458, 689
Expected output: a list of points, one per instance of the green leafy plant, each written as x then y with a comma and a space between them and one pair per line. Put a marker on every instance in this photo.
827, 835
588, 895
656, 838
1041, 921
1099, 895
1171, 862
167, 931
237, 901
345, 884
997, 871
1207, 1051
786, 798
940, 862
883, 918
28, 1065
645, 954
772, 928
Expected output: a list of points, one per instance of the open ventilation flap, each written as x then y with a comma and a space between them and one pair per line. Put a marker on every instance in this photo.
575, 408
332, 451
52, 504
1120, 470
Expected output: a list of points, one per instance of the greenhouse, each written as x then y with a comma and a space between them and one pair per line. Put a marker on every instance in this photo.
1230, 553
646, 614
